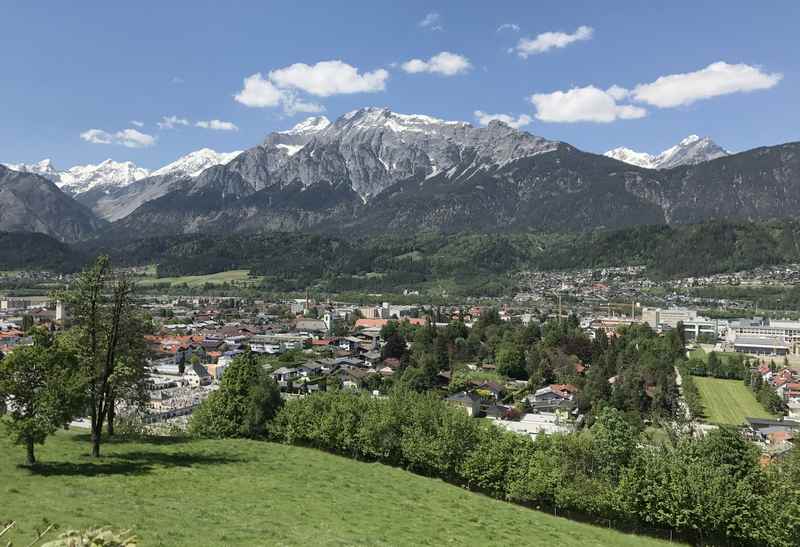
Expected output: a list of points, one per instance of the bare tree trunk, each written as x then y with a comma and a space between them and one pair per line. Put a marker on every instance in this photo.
111, 415
97, 432
31, 459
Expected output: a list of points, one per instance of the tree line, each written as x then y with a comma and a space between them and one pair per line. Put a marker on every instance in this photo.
706, 490
467, 262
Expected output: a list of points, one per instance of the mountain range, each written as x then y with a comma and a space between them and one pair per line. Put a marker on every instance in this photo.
376, 171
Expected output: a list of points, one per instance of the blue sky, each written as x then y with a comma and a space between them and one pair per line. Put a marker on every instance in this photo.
92, 68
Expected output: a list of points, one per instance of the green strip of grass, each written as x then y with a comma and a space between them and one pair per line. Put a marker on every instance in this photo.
232, 276
254, 493
728, 401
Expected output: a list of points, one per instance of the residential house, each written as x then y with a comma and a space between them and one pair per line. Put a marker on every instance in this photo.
553, 397
470, 402
197, 375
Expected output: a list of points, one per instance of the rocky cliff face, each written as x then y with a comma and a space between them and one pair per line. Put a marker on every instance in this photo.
32, 203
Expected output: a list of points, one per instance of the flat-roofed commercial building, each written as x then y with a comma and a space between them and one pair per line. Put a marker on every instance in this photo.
755, 345
787, 332
694, 325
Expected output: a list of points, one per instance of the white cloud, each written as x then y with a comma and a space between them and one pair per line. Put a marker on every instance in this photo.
134, 139
444, 63
258, 92
97, 136
127, 137
549, 40
169, 122
431, 21
292, 105
508, 26
484, 118
176, 80
284, 86
619, 93
137, 123
582, 104
328, 78
716, 79
217, 125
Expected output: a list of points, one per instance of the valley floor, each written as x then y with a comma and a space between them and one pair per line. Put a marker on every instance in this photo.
187, 492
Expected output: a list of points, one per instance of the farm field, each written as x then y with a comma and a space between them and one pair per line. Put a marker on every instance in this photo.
233, 276
175, 492
728, 401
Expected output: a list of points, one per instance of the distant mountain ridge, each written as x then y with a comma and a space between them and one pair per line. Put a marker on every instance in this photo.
82, 178
117, 202
690, 151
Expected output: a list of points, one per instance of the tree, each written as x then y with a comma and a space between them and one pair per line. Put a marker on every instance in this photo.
248, 398
713, 364
395, 346
613, 441
44, 392
510, 361
108, 338
27, 322
725, 448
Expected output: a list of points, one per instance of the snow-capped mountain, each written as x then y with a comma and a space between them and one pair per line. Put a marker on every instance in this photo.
372, 148
82, 178
196, 162
113, 203
690, 151
113, 182
109, 173
44, 168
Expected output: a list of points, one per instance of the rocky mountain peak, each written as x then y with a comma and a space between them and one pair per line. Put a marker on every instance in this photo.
689, 151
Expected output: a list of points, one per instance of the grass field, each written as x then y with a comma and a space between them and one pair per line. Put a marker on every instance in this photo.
234, 276
728, 401
176, 492
700, 353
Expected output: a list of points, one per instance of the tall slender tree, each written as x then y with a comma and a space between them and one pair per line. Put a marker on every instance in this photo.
107, 332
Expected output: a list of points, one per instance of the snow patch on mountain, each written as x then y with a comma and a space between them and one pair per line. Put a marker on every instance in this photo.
309, 126
291, 149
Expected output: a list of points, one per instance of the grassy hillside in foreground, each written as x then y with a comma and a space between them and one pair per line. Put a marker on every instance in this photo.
180, 492
728, 401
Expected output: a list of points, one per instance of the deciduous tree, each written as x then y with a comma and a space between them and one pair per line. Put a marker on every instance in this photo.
44, 390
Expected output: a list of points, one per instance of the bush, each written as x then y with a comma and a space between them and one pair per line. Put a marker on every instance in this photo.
246, 401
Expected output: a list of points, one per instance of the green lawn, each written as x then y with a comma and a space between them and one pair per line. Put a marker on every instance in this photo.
701, 354
728, 401
232, 276
254, 493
